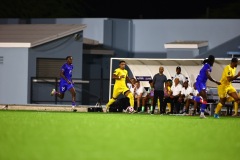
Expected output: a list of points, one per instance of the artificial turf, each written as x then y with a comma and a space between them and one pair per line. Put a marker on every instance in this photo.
33, 135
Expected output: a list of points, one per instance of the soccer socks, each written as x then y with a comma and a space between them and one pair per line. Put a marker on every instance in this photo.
235, 108
169, 107
111, 101
151, 109
143, 108
131, 99
218, 108
203, 107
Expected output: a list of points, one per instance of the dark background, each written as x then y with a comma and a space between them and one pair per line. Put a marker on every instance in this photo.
140, 9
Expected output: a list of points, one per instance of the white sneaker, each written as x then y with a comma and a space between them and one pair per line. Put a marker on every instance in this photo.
53, 92
202, 116
107, 109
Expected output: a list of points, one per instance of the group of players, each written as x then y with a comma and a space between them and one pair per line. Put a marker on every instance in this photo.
225, 88
159, 83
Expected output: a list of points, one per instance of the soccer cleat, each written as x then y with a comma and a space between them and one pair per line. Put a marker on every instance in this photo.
53, 92
202, 116
107, 109
234, 115
74, 109
216, 116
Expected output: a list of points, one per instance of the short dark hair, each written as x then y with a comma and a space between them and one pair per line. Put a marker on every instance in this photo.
122, 62
234, 59
150, 81
68, 57
178, 67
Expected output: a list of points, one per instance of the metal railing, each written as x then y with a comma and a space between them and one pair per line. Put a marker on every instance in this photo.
88, 91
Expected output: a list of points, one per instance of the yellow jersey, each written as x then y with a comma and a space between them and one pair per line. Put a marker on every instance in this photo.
227, 72
120, 72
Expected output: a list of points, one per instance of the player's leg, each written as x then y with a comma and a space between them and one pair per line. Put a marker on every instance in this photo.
129, 94
203, 106
233, 93
116, 92
138, 102
222, 94
62, 90
73, 93
155, 99
144, 99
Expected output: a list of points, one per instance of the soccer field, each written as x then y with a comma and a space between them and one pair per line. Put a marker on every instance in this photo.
34, 135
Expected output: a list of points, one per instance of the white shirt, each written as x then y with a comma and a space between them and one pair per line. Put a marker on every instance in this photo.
181, 78
187, 91
195, 92
140, 90
176, 89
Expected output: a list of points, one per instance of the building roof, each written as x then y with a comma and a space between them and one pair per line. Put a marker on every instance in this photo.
31, 35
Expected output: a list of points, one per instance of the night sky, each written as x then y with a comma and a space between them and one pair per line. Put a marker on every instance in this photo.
140, 9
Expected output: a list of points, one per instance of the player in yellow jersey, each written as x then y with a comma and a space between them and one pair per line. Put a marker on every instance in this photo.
226, 87
121, 75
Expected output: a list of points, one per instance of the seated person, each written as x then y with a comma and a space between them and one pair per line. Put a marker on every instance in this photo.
129, 85
174, 96
167, 90
141, 95
189, 101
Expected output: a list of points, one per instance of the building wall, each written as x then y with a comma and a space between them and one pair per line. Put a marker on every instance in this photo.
14, 82
60, 48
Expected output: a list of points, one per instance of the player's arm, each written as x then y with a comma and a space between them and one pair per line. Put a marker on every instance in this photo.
231, 78
114, 76
211, 79
129, 80
62, 75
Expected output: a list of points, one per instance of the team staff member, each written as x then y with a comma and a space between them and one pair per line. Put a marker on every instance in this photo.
121, 75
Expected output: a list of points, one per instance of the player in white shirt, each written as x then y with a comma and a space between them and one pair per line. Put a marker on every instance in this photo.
140, 94
191, 101
179, 75
174, 96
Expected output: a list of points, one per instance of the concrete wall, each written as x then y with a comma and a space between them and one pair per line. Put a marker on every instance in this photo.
61, 48
14, 82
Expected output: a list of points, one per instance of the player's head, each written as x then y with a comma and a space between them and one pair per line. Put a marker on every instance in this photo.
178, 69
69, 59
210, 60
122, 64
234, 62
161, 69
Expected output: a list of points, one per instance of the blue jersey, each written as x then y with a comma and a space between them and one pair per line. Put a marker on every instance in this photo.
67, 71
202, 76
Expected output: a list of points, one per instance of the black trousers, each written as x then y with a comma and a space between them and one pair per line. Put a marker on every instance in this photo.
159, 94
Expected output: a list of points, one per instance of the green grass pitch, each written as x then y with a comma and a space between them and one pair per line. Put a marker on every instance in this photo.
34, 135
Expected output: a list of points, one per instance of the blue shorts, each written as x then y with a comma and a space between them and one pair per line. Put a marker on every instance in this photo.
64, 86
200, 86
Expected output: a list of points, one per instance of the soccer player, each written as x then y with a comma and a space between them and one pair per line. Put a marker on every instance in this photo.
226, 87
66, 82
121, 75
141, 95
201, 81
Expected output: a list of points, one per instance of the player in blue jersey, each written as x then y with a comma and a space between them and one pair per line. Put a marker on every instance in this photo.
201, 81
66, 82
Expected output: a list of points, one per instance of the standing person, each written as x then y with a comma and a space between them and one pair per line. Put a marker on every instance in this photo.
121, 75
201, 81
158, 84
66, 82
226, 87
